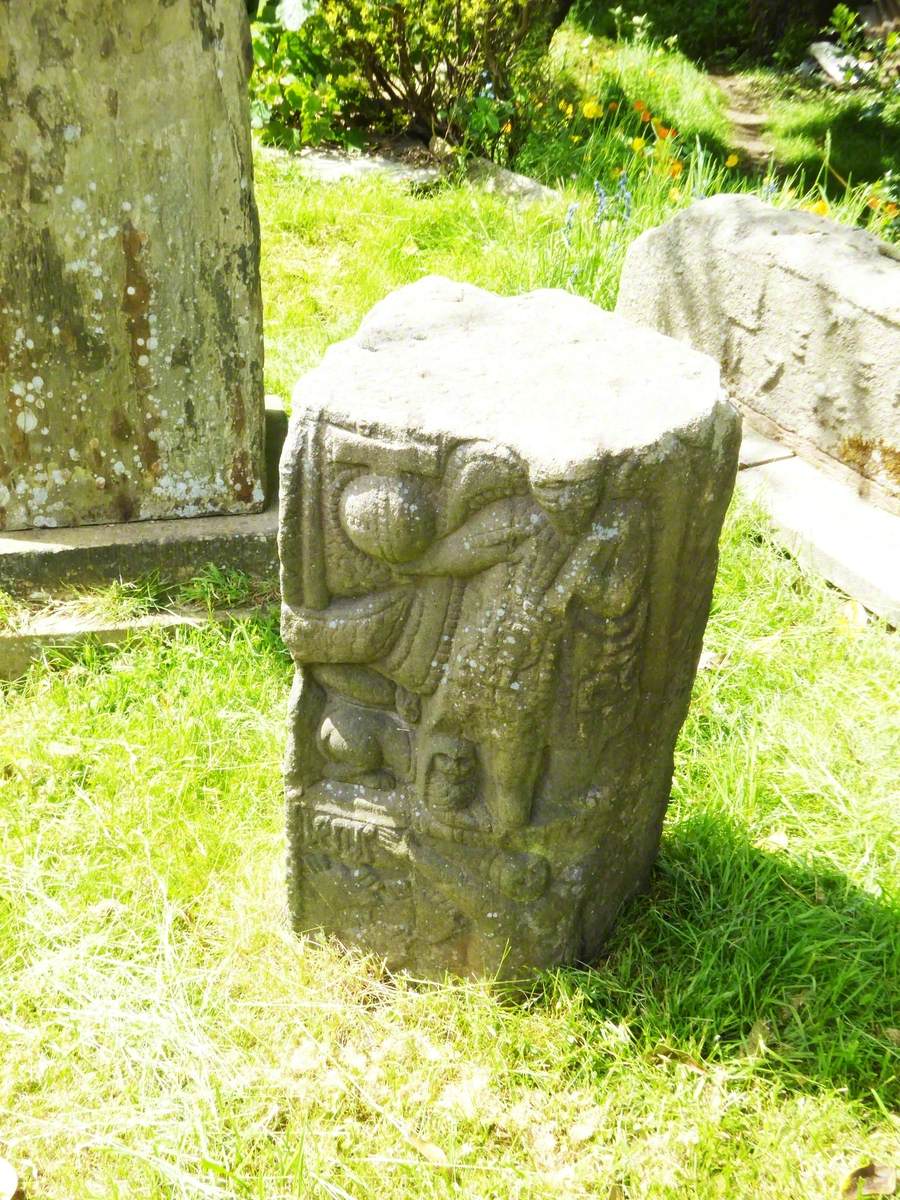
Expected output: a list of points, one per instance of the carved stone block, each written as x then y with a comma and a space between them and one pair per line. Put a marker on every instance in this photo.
498, 540
803, 316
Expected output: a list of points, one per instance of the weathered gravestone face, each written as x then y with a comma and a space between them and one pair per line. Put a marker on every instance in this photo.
130, 312
498, 539
803, 316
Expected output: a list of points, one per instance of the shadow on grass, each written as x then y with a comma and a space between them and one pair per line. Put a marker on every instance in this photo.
742, 953
863, 147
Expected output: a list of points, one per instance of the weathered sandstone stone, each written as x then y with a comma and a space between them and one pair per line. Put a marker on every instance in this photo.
498, 541
130, 314
802, 314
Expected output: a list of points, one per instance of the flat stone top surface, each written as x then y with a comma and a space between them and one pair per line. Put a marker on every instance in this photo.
845, 260
548, 374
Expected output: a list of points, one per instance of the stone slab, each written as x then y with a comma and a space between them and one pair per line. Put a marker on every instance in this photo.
491, 177
51, 559
832, 531
801, 313
757, 449
333, 166
54, 559
19, 650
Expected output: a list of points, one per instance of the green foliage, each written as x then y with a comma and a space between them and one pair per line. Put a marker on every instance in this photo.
296, 98
165, 1035
856, 131
10, 610
878, 56
218, 587
466, 71
716, 31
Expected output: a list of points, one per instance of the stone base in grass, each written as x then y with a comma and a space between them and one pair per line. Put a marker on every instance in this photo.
51, 560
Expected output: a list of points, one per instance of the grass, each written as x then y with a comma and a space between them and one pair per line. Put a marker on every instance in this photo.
857, 133
165, 1035
674, 88
333, 250
214, 587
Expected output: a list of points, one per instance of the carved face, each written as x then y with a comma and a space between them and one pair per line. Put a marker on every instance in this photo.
388, 517
450, 782
567, 502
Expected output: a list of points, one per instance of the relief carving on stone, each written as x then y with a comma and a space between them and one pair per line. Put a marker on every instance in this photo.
451, 611
469, 786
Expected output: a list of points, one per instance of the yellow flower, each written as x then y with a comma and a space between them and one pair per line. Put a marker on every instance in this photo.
592, 109
732, 161
637, 145
820, 208
674, 195
891, 209
566, 109
576, 138
675, 168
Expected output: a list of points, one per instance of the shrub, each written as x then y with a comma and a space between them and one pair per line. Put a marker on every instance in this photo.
465, 70
879, 55
295, 94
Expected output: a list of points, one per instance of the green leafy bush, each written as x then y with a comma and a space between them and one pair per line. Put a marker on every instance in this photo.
296, 97
879, 57
467, 71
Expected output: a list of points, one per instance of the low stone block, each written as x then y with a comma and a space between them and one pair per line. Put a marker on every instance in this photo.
498, 539
803, 315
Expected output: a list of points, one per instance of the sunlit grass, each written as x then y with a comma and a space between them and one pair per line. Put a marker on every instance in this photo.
166, 1035
332, 250
856, 132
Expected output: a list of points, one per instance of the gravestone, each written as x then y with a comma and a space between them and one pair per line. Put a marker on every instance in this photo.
130, 312
803, 316
498, 538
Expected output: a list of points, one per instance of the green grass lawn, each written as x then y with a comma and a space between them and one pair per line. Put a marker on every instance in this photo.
333, 250
857, 133
164, 1034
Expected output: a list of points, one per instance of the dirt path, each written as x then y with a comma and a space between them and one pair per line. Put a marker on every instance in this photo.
748, 123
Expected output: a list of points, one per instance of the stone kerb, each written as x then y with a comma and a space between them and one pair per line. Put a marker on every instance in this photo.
498, 540
803, 316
